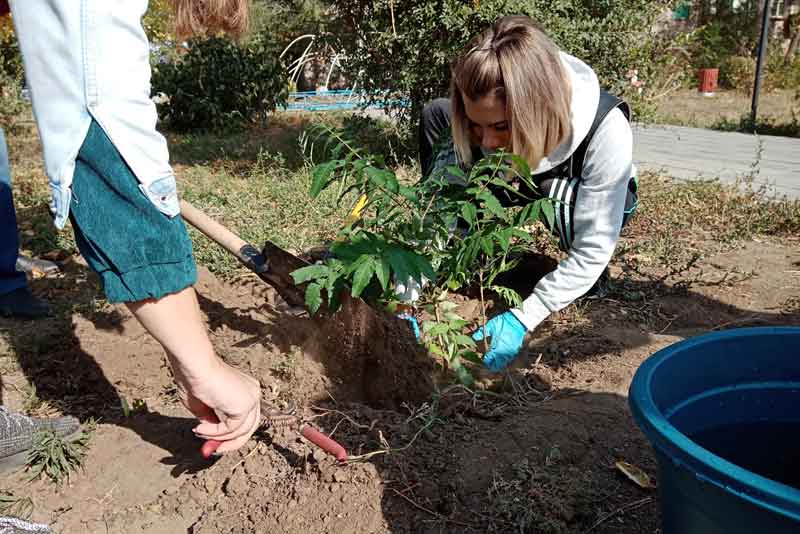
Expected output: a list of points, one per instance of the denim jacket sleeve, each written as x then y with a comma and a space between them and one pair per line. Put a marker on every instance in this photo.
89, 59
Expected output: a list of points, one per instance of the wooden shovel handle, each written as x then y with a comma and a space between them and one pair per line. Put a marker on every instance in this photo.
272, 264
214, 230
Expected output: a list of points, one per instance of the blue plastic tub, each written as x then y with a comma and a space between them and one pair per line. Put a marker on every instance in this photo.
723, 414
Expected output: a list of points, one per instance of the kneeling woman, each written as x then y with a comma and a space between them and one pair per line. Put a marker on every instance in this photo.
513, 89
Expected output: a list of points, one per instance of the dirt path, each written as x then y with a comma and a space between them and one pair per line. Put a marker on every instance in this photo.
535, 456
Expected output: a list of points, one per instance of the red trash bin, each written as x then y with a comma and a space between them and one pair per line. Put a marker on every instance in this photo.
708, 80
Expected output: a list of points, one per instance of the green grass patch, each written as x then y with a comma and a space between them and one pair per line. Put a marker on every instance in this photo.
679, 222
56, 457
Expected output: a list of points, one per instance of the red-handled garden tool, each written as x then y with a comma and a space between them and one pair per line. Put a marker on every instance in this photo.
288, 418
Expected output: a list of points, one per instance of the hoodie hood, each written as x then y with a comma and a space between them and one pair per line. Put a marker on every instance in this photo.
584, 102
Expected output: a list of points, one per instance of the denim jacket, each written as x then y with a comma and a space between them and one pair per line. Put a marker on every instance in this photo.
84, 60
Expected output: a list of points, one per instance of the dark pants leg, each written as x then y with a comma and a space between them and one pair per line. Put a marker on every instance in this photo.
10, 279
434, 122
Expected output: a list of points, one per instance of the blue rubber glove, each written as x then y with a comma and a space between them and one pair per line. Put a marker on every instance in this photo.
413, 321
507, 334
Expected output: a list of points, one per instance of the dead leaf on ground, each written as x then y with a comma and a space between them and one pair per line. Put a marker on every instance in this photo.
638, 476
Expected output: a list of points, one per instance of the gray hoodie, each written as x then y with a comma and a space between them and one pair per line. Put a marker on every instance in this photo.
600, 202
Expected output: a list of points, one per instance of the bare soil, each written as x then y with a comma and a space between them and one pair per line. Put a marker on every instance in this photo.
533, 450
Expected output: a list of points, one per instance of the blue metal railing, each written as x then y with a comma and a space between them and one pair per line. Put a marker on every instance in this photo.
338, 99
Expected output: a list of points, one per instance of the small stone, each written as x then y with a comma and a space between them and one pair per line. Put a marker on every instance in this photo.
339, 476
318, 455
211, 485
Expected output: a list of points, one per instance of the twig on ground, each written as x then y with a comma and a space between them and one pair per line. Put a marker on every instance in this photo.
387, 450
346, 417
750, 319
431, 512
618, 511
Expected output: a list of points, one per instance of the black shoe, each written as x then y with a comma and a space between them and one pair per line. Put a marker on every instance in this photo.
601, 288
27, 265
21, 304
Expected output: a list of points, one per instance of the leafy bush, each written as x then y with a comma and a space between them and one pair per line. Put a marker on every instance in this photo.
11, 75
738, 73
711, 46
406, 46
781, 74
219, 84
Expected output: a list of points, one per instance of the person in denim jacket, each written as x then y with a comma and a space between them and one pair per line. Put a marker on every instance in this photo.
88, 71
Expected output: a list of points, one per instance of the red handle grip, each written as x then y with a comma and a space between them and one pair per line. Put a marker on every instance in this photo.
309, 432
209, 447
324, 442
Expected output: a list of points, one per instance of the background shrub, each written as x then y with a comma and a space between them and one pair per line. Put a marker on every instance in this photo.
407, 45
218, 84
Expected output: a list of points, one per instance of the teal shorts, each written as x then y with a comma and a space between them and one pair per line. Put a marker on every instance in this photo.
138, 252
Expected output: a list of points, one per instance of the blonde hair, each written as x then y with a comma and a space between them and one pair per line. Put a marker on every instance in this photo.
516, 61
197, 17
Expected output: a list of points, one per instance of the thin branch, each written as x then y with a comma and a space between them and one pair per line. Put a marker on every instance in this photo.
618, 511
431, 512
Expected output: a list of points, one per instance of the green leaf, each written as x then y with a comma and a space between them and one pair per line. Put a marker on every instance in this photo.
423, 266
521, 167
359, 244
453, 171
383, 178
313, 297
436, 350
471, 356
321, 176
312, 272
464, 341
402, 267
503, 238
436, 329
530, 213
462, 373
469, 212
363, 274
487, 245
382, 271
492, 204
549, 213
511, 297
409, 193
